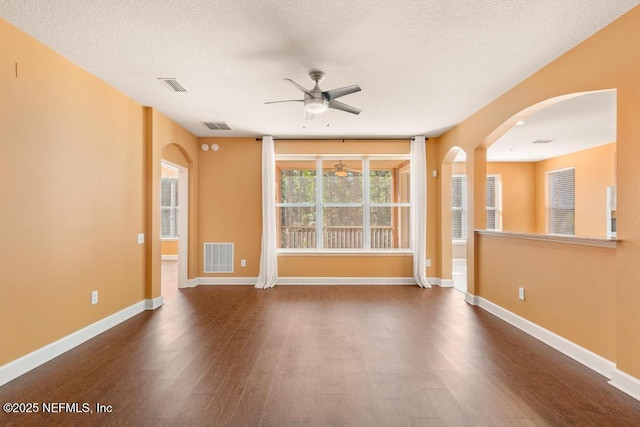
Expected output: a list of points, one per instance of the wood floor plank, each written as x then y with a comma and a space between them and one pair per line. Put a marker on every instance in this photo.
319, 356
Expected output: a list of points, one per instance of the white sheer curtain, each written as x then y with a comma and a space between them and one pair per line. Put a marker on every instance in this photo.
419, 214
268, 257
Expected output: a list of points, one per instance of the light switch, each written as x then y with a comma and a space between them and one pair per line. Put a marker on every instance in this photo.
140, 238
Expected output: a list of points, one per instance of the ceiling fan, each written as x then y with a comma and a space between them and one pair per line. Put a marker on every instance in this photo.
340, 169
317, 101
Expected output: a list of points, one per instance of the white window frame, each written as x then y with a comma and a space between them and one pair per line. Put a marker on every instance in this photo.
173, 208
497, 209
366, 205
463, 208
548, 202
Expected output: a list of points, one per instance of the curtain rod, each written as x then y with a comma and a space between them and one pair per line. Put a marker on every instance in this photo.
341, 139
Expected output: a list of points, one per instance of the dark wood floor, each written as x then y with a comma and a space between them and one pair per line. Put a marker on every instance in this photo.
320, 356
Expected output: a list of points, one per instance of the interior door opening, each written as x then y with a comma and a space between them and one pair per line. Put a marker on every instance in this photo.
174, 226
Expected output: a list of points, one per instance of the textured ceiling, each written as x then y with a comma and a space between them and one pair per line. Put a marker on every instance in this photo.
423, 66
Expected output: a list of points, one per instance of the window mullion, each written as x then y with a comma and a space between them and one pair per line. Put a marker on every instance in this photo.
365, 201
319, 208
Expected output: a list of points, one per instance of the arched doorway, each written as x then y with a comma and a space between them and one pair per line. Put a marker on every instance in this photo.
455, 222
174, 224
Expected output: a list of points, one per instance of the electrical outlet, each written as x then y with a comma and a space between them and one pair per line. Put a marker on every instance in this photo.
428, 263
243, 263
521, 293
94, 297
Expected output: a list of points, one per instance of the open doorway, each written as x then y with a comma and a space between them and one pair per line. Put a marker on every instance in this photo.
174, 226
459, 220
455, 221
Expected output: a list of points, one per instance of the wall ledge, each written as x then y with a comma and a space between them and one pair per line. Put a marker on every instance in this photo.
580, 354
570, 240
26, 363
626, 383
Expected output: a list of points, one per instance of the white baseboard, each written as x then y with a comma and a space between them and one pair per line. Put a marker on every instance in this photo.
345, 281
24, 364
580, 354
626, 383
169, 257
471, 299
152, 304
443, 283
225, 281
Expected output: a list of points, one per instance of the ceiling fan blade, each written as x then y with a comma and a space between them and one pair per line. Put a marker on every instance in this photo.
337, 105
332, 94
302, 88
288, 100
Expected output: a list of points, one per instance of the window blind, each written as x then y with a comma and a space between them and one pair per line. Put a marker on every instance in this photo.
169, 206
458, 207
493, 202
561, 201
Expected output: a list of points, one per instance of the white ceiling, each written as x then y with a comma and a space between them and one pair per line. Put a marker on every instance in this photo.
423, 66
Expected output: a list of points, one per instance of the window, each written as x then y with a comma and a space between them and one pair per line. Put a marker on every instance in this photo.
359, 203
494, 202
169, 207
458, 207
561, 201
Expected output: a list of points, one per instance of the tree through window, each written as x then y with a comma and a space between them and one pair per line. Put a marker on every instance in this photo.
336, 204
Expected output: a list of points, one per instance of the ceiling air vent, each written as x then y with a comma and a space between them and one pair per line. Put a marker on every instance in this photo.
217, 125
173, 84
542, 141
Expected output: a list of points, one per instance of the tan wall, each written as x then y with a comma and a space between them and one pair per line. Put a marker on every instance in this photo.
73, 197
345, 266
230, 198
459, 168
84, 168
594, 172
567, 287
609, 59
174, 155
230, 201
433, 210
518, 195
169, 247
166, 139
347, 146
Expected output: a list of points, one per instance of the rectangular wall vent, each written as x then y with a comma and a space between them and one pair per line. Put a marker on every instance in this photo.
218, 257
173, 84
217, 125
542, 141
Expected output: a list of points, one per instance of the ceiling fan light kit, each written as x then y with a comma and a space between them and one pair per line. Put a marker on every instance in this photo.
315, 106
317, 101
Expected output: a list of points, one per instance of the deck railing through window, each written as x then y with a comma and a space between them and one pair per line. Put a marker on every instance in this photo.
293, 237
